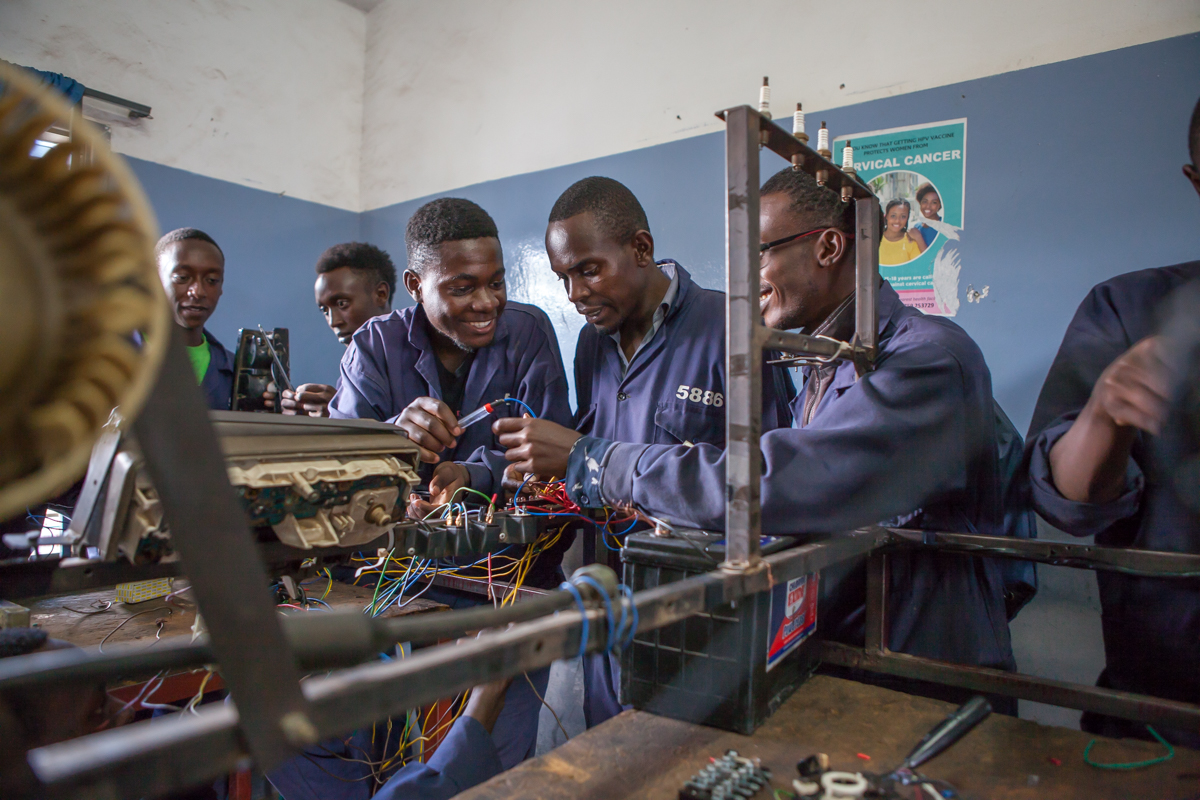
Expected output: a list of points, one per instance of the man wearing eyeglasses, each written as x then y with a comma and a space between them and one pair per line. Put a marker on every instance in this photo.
912, 443
650, 366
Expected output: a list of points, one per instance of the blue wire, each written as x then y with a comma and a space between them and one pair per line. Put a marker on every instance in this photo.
532, 413
608, 609
627, 530
519, 488
583, 634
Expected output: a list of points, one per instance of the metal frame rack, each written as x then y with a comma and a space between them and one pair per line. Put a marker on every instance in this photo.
261, 658
745, 132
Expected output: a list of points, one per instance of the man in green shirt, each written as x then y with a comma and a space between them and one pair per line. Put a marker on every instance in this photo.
192, 269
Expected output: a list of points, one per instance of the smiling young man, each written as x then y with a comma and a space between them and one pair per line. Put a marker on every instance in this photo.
462, 345
912, 442
649, 366
192, 269
355, 282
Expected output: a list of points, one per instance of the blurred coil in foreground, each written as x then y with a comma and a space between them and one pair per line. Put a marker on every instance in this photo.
77, 283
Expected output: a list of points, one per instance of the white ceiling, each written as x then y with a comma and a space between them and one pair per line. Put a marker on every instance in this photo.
363, 5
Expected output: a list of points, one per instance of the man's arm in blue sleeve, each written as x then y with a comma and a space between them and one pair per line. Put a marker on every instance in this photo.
362, 389
1095, 338
896, 437
465, 758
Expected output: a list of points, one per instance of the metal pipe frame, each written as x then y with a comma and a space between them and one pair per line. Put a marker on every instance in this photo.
745, 336
178, 751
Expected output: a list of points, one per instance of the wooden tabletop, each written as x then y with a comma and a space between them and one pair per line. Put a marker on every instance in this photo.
640, 755
78, 619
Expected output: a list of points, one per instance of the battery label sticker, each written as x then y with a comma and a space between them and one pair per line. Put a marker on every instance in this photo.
793, 616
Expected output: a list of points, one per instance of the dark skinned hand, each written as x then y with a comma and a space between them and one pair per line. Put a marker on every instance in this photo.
311, 399
1133, 391
448, 477
536, 445
1088, 463
486, 703
431, 425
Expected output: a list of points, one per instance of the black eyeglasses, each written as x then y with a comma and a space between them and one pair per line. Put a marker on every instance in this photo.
762, 248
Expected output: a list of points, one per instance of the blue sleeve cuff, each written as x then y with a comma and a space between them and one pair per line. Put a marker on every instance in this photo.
467, 756
600, 472
583, 471
1077, 519
482, 479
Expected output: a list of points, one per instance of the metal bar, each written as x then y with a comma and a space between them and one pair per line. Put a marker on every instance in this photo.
1125, 705
866, 277
159, 756
54, 576
803, 344
782, 143
743, 355
99, 465
136, 110
877, 600
1147, 563
481, 587
216, 546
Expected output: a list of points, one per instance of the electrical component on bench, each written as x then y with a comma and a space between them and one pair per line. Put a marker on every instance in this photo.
306, 482
730, 777
262, 357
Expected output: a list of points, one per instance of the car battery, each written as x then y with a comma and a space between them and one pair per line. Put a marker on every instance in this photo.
732, 666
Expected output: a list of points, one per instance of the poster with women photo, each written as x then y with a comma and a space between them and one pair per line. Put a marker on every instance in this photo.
918, 174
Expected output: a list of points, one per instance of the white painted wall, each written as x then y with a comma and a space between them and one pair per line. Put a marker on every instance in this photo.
315, 99
464, 91
264, 93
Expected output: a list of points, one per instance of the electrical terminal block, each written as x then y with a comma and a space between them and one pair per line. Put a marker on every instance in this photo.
141, 591
730, 777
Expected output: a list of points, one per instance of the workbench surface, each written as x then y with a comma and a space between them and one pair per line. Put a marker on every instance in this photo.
73, 618
640, 755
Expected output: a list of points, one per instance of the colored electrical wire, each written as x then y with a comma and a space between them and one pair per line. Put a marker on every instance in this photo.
1132, 764
583, 634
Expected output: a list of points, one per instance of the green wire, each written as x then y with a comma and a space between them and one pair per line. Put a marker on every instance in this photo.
380, 581
1132, 764
486, 499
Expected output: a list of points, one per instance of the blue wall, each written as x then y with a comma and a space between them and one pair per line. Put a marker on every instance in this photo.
271, 245
1072, 177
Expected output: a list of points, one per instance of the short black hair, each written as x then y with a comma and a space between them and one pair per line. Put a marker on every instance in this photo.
447, 219
360, 257
1194, 136
820, 204
616, 209
926, 188
181, 235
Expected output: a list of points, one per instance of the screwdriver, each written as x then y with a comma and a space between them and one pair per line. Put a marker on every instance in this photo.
488, 408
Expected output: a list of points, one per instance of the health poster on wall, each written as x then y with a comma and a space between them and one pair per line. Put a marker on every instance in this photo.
918, 174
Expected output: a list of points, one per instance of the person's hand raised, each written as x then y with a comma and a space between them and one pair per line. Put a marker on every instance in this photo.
431, 425
1134, 390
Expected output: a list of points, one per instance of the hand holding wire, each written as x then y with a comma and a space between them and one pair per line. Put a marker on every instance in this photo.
431, 425
536, 445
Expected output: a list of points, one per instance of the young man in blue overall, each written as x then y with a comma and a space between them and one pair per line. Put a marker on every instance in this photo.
650, 366
913, 442
462, 345
1093, 473
355, 282
192, 269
